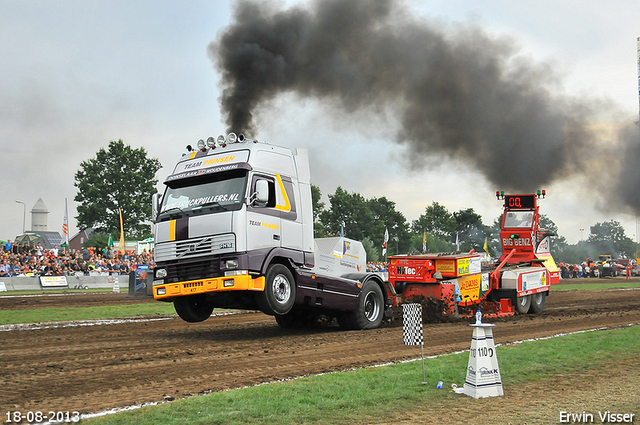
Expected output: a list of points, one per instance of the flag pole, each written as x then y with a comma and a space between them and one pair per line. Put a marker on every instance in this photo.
65, 223
121, 245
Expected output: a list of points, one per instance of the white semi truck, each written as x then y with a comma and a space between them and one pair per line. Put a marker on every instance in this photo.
234, 229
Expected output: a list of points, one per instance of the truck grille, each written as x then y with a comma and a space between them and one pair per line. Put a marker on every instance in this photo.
192, 270
196, 247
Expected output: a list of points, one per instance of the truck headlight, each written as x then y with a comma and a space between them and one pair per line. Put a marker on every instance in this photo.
162, 291
231, 264
161, 273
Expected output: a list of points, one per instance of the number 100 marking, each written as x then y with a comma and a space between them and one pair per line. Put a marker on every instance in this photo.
482, 352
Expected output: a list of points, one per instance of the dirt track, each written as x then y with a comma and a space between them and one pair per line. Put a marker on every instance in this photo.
94, 368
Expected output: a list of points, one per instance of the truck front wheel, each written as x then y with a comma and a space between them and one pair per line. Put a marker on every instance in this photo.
370, 310
193, 308
279, 293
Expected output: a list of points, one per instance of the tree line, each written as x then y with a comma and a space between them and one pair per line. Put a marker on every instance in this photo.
121, 177
366, 220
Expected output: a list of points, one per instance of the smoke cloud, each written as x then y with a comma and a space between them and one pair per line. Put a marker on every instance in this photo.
456, 90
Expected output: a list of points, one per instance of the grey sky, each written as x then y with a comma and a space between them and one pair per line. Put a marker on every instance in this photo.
76, 74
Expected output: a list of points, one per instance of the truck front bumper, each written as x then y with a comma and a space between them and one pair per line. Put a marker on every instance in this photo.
202, 286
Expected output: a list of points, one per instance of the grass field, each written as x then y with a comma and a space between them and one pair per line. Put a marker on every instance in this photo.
11, 317
371, 395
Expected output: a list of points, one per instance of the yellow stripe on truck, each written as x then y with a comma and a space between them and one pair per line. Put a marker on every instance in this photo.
214, 284
172, 230
287, 204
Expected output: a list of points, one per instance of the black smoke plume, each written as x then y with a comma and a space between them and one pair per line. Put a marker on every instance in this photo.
456, 90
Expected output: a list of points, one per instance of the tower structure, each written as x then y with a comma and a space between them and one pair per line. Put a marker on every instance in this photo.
39, 217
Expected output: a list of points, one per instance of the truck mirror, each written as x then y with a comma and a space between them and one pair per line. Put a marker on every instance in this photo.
261, 195
155, 205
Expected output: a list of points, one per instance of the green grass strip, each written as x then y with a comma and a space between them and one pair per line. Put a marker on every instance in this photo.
372, 395
578, 286
12, 317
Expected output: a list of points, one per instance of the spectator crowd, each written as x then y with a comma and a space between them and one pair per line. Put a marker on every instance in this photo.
29, 259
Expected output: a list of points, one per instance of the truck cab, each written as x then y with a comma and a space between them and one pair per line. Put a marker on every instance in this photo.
234, 229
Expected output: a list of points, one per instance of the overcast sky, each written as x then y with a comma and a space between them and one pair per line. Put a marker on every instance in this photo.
77, 74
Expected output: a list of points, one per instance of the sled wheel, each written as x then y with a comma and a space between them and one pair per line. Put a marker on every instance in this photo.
523, 304
537, 302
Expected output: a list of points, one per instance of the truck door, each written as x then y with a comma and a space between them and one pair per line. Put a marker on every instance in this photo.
264, 223
291, 223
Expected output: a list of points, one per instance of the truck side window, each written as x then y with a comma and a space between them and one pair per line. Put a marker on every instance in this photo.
271, 203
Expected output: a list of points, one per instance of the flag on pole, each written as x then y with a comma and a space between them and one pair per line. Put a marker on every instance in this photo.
457, 242
65, 223
110, 243
486, 247
121, 245
386, 239
424, 241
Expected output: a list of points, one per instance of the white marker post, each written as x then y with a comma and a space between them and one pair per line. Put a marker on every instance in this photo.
483, 373
412, 327
116, 284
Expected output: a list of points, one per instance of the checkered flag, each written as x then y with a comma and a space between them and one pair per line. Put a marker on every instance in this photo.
412, 324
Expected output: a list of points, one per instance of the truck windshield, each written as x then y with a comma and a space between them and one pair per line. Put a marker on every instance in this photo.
225, 191
518, 219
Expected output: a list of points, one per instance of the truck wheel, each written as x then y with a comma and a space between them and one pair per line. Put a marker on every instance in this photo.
193, 308
537, 302
370, 310
297, 319
279, 293
523, 304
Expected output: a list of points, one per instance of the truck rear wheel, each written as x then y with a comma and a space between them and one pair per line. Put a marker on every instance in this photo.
523, 304
193, 308
370, 310
297, 319
537, 302
279, 293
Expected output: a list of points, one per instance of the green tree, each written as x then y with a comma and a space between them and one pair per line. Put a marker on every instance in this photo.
386, 216
434, 243
318, 207
366, 219
575, 254
609, 238
493, 241
470, 229
372, 251
119, 177
349, 210
436, 220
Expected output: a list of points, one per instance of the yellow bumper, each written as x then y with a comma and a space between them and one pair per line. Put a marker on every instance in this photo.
215, 284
